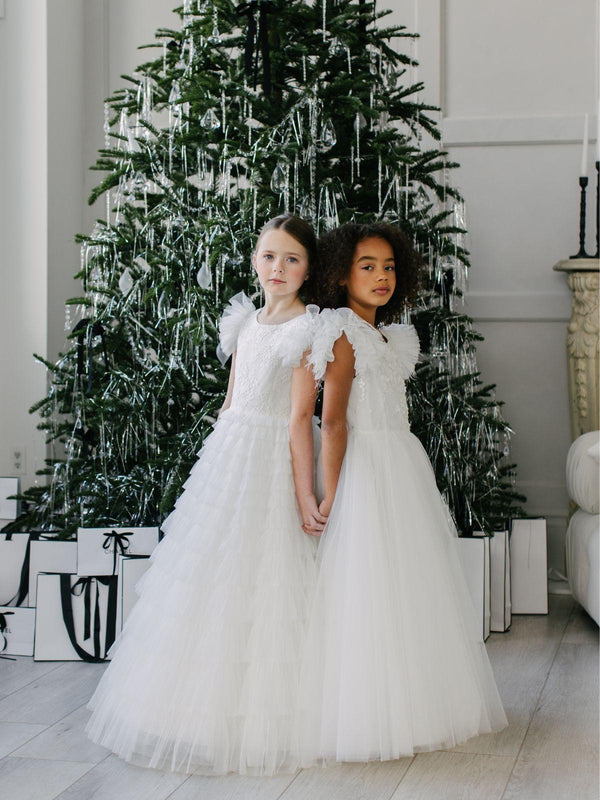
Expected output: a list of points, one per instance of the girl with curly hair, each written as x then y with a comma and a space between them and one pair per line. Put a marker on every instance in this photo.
394, 661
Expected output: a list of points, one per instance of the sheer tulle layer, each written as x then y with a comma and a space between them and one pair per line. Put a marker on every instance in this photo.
204, 676
394, 662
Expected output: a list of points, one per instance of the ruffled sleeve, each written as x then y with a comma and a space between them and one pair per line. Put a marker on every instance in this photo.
405, 341
327, 330
332, 323
298, 336
237, 311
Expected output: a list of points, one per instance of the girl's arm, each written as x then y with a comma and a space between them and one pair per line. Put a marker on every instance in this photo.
303, 398
334, 432
227, 401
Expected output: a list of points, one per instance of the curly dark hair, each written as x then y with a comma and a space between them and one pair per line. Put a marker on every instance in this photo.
336, 251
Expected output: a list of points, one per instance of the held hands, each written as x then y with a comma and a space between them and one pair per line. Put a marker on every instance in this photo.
313, 520
325, 507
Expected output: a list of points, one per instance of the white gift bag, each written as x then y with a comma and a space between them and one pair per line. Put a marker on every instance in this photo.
528, 566
474, 552
500, 593
99, 548
16, 631
50, 555
9, 509
131, 569
14, 568
75, 617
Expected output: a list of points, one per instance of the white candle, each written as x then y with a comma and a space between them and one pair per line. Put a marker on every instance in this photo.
584, 152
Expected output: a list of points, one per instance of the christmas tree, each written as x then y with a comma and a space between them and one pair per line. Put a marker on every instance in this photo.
249, 110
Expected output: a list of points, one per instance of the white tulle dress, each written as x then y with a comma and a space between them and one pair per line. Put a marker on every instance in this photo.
394, 662
204, 675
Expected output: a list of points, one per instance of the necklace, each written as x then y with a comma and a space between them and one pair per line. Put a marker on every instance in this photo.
372, 326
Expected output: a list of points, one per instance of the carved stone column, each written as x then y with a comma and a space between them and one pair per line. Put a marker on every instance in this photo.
583, 343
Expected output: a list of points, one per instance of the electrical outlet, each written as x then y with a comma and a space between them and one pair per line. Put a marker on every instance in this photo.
18, 459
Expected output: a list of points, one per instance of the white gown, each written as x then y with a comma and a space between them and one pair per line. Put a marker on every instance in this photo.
204, 675
394, 662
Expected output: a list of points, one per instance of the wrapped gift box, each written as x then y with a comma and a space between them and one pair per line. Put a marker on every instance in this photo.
529, 566
9, 509
131, 569
500, 592
14, 568
75, 617
50, 555
98, 548
474, 552
16, 631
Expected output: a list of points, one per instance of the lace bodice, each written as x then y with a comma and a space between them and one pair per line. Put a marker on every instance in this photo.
266, 356
378, 396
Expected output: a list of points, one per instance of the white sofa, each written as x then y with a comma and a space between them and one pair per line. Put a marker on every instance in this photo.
583, 533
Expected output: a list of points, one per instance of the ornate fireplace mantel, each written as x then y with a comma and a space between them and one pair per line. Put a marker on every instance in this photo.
583, 343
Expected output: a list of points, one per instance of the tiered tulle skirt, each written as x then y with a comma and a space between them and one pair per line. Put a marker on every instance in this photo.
394, 662
204, 676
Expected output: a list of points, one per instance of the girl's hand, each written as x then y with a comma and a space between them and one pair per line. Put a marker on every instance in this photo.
313, 521
325, 506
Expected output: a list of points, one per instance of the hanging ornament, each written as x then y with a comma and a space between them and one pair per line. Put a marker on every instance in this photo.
125, 131
215, 36
210, 121
187, 13
337, 47
328, 137
204, 276
305, 208
139, 182
126, 281
106, 125
164, 306
278, 178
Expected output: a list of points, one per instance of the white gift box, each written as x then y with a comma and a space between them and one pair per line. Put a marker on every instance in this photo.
75, 617
9, 509
14, 568
131, 569
528, 566
474, 554
500, 593
16, 631
99, 548
50, 555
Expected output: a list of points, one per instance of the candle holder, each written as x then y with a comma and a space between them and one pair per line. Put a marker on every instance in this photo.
583, 182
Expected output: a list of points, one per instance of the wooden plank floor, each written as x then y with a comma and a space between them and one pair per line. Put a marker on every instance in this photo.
547, 673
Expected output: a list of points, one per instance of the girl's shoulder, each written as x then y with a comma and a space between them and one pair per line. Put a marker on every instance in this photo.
332, 323
297, 336
404, 340
237, 312
366, 341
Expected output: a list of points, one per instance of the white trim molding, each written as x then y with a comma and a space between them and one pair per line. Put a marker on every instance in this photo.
501, 131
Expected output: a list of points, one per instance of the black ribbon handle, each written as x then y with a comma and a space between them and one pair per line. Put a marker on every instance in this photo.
84, 586
23, 589
119, 542
3, 627
261, 42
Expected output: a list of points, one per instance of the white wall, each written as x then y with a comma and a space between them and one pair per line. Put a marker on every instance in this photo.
513, 79
23, 228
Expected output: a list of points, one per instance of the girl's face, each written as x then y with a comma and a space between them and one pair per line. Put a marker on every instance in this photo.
372, 277
281, 262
